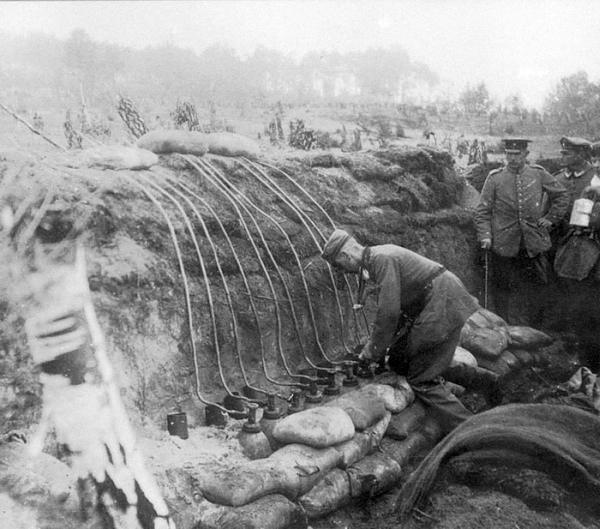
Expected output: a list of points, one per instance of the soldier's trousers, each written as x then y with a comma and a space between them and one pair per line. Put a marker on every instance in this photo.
434, 394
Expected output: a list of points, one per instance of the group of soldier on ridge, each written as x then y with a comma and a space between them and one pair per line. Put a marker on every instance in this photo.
540, 233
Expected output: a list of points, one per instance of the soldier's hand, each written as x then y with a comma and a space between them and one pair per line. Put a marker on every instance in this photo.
544, 223
366, 353
486, 244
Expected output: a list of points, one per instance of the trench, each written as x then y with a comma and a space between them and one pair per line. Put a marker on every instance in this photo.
207, 279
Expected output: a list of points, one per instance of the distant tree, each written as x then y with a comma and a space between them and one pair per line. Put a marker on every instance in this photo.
475, 100
515, 105
575, 104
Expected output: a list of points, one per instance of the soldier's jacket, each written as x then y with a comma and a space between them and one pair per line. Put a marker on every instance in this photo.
407, 282
574, 183
511, 205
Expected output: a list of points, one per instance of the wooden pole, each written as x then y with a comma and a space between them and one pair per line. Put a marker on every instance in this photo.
30, 127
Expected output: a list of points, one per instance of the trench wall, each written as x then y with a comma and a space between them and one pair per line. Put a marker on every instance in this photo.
258, 235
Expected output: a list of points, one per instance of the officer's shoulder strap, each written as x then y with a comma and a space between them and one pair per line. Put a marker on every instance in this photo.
494, 171
539, 167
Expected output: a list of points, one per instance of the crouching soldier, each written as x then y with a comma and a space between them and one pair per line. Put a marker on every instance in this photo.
415, 290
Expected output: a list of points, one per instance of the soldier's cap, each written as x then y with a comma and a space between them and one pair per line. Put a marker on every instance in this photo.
515, 145
335, 244
575, 144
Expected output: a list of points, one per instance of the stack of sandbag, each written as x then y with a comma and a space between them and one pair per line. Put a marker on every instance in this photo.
230, 144
42, 481
498, 347
198, 143
326, 459
174, 141
118, 157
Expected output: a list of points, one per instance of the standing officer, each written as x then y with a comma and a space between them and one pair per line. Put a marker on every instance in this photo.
578, 251
411, 289
513, 222
577, 172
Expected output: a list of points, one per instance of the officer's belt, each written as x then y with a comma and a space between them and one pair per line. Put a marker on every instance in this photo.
417, 306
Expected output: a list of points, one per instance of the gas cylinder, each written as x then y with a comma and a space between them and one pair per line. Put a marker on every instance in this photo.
253, 441
271, 416
580, 214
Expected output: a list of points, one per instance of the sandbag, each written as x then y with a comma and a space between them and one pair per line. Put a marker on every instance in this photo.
462, 356
485, 319
512, 361
428, 434
118, 157
304, 466
524, 356
291, 471
395, 399
270, 512
363, 442
170, 141
39, 480
237, 485
406, 422
316, 427
363, 406
230, 144
483, 343
497, 365
328, 495
526, 338
373, 475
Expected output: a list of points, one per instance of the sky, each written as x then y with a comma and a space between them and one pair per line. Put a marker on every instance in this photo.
514, 46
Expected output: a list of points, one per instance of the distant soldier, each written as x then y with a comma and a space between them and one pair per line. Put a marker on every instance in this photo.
513, 223
578, 250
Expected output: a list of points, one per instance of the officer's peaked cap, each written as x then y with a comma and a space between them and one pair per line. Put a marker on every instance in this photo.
575, 144
515, 145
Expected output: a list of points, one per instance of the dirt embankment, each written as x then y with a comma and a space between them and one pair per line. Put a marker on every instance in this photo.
258, 231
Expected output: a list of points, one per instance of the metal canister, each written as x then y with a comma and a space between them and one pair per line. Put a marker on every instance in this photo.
177, 424
580, 215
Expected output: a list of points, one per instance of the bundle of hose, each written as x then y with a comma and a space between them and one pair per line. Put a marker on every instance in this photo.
560, 440
118, 157
230, 144
395, 397
365, 407
363, 442
406, 422
174, 141
304, 466
269, 512
317, 427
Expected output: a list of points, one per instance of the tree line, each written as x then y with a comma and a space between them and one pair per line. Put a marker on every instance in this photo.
42, 71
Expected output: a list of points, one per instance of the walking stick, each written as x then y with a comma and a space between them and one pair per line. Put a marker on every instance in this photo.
487, 277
